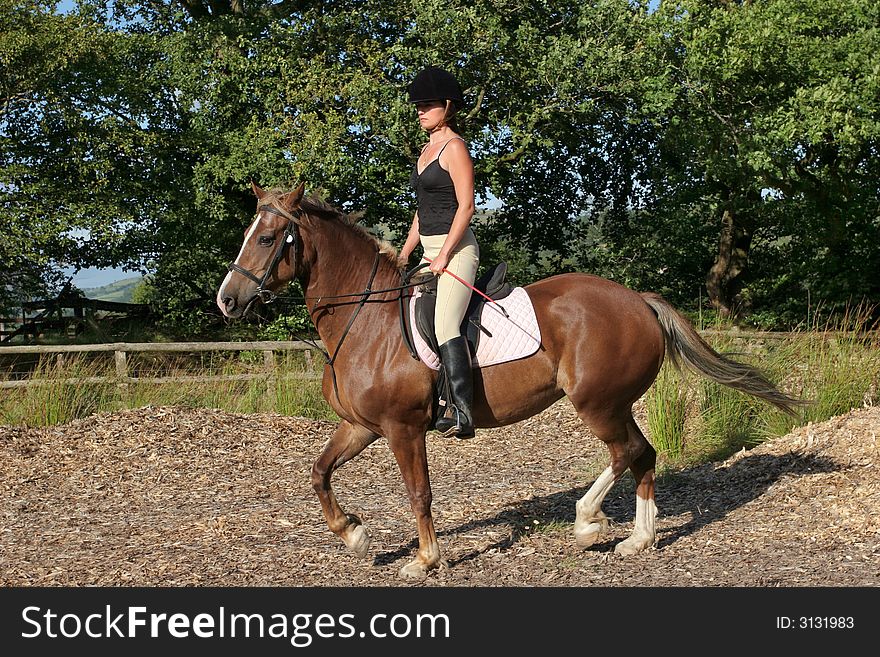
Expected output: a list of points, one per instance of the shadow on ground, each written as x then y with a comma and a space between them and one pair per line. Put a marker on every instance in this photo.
707, 492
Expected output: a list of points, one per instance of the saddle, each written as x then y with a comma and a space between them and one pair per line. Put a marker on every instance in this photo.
493, 284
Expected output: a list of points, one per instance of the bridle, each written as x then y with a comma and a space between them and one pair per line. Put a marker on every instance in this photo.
289, 238
267, 296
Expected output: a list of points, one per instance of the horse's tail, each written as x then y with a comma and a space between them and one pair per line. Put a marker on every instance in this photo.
683, 343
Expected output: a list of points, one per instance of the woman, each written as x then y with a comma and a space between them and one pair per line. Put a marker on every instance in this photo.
443, 179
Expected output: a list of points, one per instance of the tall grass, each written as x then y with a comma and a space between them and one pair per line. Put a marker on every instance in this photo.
667, 404
843, 370
726, 422
292, 389
291, 397
54, 400
834, 366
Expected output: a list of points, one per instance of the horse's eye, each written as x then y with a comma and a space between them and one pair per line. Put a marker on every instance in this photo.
266, 240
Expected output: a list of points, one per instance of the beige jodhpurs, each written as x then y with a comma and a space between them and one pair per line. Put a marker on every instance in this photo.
452, 296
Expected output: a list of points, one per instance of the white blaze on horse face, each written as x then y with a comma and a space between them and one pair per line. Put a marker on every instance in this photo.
247, 239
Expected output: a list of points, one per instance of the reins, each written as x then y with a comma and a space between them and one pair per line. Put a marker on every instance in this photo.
364, 296
406, 285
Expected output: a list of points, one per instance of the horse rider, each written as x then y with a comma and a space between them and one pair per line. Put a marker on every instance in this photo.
443, 180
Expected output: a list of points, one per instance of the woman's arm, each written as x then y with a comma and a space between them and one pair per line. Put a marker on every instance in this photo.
461, 169
412, 241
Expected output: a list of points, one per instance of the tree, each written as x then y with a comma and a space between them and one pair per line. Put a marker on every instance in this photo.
158, 115
617, 140
89, 162
774, 121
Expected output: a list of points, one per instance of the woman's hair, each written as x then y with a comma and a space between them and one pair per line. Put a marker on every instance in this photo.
449, 116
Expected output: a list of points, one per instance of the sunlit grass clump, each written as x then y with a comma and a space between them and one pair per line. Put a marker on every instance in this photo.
70, 388
834, 367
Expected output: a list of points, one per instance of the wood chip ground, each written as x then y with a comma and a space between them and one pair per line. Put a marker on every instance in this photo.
193, 497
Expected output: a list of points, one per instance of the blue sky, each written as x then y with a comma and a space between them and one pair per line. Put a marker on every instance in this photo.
93, 277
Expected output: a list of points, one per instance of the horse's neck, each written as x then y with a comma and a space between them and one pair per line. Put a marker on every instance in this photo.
341, 265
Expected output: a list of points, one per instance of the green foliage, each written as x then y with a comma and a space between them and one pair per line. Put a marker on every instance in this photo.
295, 322
616, 140
770, 114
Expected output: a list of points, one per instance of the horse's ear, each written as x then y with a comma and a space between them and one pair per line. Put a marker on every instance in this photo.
293, 198
257, 190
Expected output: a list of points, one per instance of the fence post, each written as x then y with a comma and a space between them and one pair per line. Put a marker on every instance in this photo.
269, 362
122, 375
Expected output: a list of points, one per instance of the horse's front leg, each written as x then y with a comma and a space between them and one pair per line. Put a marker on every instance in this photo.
408, 446
348, 441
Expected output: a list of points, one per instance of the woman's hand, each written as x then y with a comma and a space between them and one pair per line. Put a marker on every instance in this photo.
439, 264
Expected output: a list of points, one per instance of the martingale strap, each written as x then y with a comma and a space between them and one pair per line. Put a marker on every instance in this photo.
365, 295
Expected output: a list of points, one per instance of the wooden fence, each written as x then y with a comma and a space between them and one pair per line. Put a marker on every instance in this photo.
123, 375
269, 372
50, 315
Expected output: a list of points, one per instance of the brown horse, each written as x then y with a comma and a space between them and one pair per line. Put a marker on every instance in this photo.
602, 346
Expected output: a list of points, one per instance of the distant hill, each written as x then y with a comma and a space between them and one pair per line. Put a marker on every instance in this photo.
120, 291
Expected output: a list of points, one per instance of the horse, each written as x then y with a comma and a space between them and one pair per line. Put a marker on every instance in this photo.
602, 346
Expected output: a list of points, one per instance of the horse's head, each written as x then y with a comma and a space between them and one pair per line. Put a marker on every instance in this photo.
267, 257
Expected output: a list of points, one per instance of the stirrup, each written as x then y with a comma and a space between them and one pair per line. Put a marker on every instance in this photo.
456, 430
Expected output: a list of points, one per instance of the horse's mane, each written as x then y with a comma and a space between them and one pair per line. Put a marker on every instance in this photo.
317, 208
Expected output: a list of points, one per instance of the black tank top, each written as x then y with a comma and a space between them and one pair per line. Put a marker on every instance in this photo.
435, 195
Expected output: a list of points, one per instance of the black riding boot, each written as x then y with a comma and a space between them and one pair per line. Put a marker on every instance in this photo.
455, 357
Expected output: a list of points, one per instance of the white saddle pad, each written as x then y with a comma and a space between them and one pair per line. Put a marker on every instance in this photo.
512, 337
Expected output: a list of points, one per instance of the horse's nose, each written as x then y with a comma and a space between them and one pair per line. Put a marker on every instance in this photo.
229, 303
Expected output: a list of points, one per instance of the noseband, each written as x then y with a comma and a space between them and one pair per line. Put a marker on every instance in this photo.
265, 295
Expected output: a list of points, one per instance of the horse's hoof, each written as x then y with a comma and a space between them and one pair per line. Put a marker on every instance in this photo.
588, 534
633, 545
358, 540
414, 571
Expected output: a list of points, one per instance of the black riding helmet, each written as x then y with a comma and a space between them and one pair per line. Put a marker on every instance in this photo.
434, 83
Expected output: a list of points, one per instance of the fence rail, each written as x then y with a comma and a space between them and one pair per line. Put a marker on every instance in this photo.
122, 349
183, 347
778, 335
268, 347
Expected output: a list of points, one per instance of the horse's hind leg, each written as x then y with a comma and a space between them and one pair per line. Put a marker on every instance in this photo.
629, 449
347, 441
642, 467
